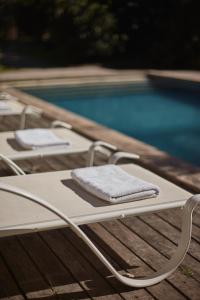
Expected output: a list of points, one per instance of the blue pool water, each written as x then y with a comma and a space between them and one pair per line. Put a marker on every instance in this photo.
167, 119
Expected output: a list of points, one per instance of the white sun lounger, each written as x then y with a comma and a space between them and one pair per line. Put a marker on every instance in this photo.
11, 150
67, 204
11, 106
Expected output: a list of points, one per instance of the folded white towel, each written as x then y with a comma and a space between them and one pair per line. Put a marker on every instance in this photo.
4, 106
113, 184
37, 137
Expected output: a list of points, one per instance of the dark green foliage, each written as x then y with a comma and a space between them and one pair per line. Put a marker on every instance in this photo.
161, 33
146, 33
74, 25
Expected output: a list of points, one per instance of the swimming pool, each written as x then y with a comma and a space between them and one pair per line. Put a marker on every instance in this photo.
165, 118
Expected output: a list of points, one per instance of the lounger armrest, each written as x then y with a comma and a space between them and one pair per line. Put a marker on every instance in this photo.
100, 146
13, 166
114, 159
58, 123
35, 111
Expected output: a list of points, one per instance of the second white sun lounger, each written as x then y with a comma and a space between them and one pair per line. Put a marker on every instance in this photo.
10, 148
75, 143
28, 205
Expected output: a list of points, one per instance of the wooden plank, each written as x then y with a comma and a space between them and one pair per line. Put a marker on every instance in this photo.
96, 286
26, 274
71, 161
159, 242
38, 121
175, 219
51, 268
8, 286
153, 258
9, 123
171, 233
130, 262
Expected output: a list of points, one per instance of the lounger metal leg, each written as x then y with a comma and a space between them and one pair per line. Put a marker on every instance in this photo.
23, 119
170, 267
13, 166
100, 146
34, 110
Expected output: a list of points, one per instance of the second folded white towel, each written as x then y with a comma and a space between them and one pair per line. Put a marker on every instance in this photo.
113, 184
38, 137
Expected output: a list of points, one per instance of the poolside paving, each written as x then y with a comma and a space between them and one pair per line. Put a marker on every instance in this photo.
57, 265
69, 73
193, 76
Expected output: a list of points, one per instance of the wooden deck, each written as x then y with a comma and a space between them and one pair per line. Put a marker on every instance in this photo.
57, 265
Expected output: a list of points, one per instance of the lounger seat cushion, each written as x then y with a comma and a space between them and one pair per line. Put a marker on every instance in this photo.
35, 138
113, 184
